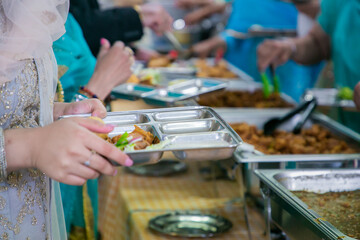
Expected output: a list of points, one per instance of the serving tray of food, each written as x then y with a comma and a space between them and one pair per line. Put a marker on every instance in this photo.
314, 204
332, 97
322, 139
245, 94
195, 133
205, 68
170, 94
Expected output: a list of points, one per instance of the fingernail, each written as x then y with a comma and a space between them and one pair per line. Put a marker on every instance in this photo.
111, 125
115, 173
103, 41
128, 162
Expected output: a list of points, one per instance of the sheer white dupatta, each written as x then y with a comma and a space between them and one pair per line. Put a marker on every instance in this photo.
27, 30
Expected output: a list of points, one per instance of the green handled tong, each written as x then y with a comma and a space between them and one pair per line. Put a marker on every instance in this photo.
266, 82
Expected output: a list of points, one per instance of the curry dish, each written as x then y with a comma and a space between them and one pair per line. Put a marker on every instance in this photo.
315, 140
341, 209
248, 99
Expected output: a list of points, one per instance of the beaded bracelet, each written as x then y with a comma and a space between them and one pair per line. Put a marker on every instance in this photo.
3, 164
85, 91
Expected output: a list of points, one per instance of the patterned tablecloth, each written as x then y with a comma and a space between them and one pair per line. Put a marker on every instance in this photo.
127, 202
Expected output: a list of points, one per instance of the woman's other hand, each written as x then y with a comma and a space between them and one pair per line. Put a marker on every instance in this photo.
155, 17
113, 67
276, 52
93, 106
357, 95
205, 48
67, 151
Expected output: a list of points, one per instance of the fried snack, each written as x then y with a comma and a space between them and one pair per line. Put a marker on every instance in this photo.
133, 79
102, 135
245, 99
220, 70
161, 61
315, 140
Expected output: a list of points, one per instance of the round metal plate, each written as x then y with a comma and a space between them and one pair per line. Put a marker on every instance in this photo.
162, 168
189, 224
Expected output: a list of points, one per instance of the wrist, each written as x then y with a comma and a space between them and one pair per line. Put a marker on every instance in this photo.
19, 148
98, 88
59, 109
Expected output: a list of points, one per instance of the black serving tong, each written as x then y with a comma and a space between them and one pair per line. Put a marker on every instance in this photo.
307, 107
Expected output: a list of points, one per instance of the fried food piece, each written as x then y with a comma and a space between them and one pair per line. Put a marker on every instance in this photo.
162, 61
133, 79
220, 70
102, 135
315, 140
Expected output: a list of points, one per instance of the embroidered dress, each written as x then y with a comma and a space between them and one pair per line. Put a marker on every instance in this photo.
30, 203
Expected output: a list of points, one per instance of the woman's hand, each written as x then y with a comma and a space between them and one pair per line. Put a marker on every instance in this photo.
113, 68
274, 52
205, 48
92, 106
357, 95
64, 150
155, 17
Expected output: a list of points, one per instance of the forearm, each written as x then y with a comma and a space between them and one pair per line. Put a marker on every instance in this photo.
97, 86
312, 48
17, 145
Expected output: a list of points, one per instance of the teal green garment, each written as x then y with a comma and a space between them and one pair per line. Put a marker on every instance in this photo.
72, 51
340, 19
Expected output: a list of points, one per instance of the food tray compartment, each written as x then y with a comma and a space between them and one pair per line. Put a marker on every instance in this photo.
195, 86
129, 128
202, 146
190, 127
127, 119
291, 214
182, 115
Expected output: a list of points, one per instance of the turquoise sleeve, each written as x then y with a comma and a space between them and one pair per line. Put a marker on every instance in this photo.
328, 15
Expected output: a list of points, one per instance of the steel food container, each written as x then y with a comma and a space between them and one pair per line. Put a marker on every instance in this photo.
327, 97
251, 86
193, 133
292, 215
258, 160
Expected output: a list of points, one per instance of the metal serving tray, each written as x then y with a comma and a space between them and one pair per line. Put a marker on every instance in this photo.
258, 117
327, 97
195, 133
292, 215
168, 95
251, 86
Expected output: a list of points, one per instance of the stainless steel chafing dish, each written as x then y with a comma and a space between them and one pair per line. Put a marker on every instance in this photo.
292, 215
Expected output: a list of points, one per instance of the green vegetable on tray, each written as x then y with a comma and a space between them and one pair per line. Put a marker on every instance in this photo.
345, 93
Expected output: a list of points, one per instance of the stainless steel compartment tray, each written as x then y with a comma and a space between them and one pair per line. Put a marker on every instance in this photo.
169, 95
259, 117
196, 133
294, 216
327, 97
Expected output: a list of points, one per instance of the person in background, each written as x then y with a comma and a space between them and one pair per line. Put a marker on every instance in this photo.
357, 95
334, 37
118, 24
242, 52
99, 76
202, 9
